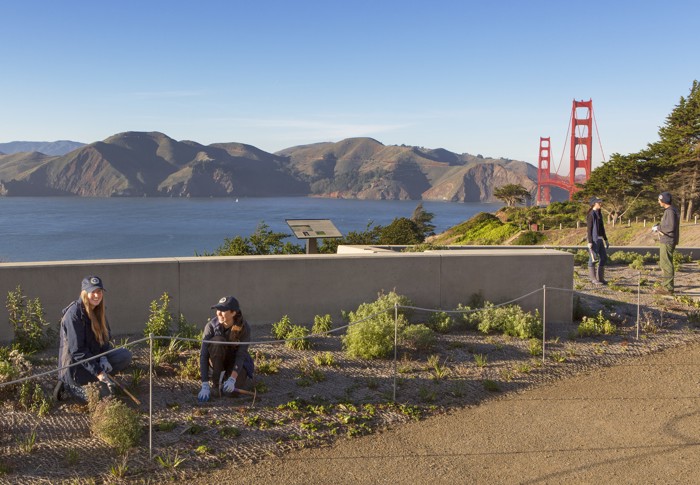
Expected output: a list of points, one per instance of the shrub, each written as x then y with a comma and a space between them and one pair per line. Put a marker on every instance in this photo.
325, 359
296, 338
372, 335
159, 320
265, 365
189, 331
441, 322
281, 328
509, 320
322, 324
420, 337
26, 317
598, 325
116, 424
190, 369
12, 365
469, 318
528, 238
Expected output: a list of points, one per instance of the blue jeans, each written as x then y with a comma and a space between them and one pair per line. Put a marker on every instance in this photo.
598, 247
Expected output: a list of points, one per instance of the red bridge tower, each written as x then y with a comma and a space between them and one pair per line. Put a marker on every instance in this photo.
581, 144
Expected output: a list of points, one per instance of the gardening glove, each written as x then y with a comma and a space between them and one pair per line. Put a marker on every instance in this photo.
103, 377
607, 244
104, 363
204, 393
229, 385
655, 228
590, 245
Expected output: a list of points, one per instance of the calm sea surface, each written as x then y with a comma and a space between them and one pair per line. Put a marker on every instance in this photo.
62, 228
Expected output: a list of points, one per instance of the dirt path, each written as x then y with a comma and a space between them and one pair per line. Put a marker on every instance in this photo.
637, 422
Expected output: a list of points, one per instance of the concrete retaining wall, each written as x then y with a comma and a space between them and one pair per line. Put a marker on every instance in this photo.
300, 286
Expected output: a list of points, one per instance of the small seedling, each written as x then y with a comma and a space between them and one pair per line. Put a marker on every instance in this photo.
491, 386
481, 360
170, 461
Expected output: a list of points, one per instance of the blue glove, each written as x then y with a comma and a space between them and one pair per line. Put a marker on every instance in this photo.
229, 385
104, 363
607, 244
204, 393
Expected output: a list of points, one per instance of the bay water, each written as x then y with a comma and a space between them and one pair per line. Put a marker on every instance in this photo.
70, 228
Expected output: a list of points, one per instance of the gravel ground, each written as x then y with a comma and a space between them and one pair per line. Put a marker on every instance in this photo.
450, 417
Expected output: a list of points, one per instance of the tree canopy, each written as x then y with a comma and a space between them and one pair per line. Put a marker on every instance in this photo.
512, 194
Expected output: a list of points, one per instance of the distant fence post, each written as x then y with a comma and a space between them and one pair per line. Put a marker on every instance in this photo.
150, 396
544, 319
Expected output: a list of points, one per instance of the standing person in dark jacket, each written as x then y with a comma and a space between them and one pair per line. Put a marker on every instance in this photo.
85, 333
597, 242
230, 364
668, 230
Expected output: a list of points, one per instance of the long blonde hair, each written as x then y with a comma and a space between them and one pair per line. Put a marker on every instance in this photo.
97, 318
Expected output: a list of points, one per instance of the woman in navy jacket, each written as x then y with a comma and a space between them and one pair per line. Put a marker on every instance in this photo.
85, 333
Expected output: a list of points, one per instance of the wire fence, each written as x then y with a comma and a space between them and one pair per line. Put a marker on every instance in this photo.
271, 343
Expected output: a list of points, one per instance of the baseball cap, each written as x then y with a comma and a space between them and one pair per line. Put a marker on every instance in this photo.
665, 197
91, 283
227, 303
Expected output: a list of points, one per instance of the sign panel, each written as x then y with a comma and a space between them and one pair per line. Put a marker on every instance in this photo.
313, 228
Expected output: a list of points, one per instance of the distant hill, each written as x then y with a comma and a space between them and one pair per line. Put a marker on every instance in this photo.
60, 147
138, 164
364, 168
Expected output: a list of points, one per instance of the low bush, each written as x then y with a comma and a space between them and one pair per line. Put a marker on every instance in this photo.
296, 338
372, 335
419, 336
26, 316
529, 238
159, 321
116, 424
441, 322
281, 328
322, 324
598, 325
509, 320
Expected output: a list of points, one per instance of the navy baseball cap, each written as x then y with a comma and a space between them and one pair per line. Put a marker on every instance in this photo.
595, 200
227, 303
665, 197
91, 283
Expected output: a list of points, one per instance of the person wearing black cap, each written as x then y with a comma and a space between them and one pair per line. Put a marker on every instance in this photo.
597, 242
85, 333
231, 365
668, 230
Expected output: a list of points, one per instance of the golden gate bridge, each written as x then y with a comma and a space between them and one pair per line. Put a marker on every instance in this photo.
581, 126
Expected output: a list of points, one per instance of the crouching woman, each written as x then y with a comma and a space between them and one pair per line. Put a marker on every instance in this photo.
230, 365
85, 333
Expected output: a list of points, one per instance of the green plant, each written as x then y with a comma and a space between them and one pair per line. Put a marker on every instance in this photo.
297, 338
72, 456
371, 334
418, 336
491, 386
190, 369
426, 395
27, 442
26, 316
159, 320
439, 371
119, 469
469, 317
188, 331
534, 346
322, 324
309, 373
166, 425
265, 365
229, 432
441, 322
598, 325
557, 357
509, 320
325, 359
481, 360
170, 461
281, 328
116, 424
33, 399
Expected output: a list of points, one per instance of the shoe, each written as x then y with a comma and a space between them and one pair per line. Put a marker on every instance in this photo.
58, 391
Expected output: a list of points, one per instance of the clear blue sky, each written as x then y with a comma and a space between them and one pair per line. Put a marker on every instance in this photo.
480, 77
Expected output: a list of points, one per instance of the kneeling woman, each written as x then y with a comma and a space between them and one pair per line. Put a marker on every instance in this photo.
84, 334
230, 364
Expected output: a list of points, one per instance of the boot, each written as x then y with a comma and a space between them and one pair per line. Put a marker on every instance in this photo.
592, 275
601, 275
